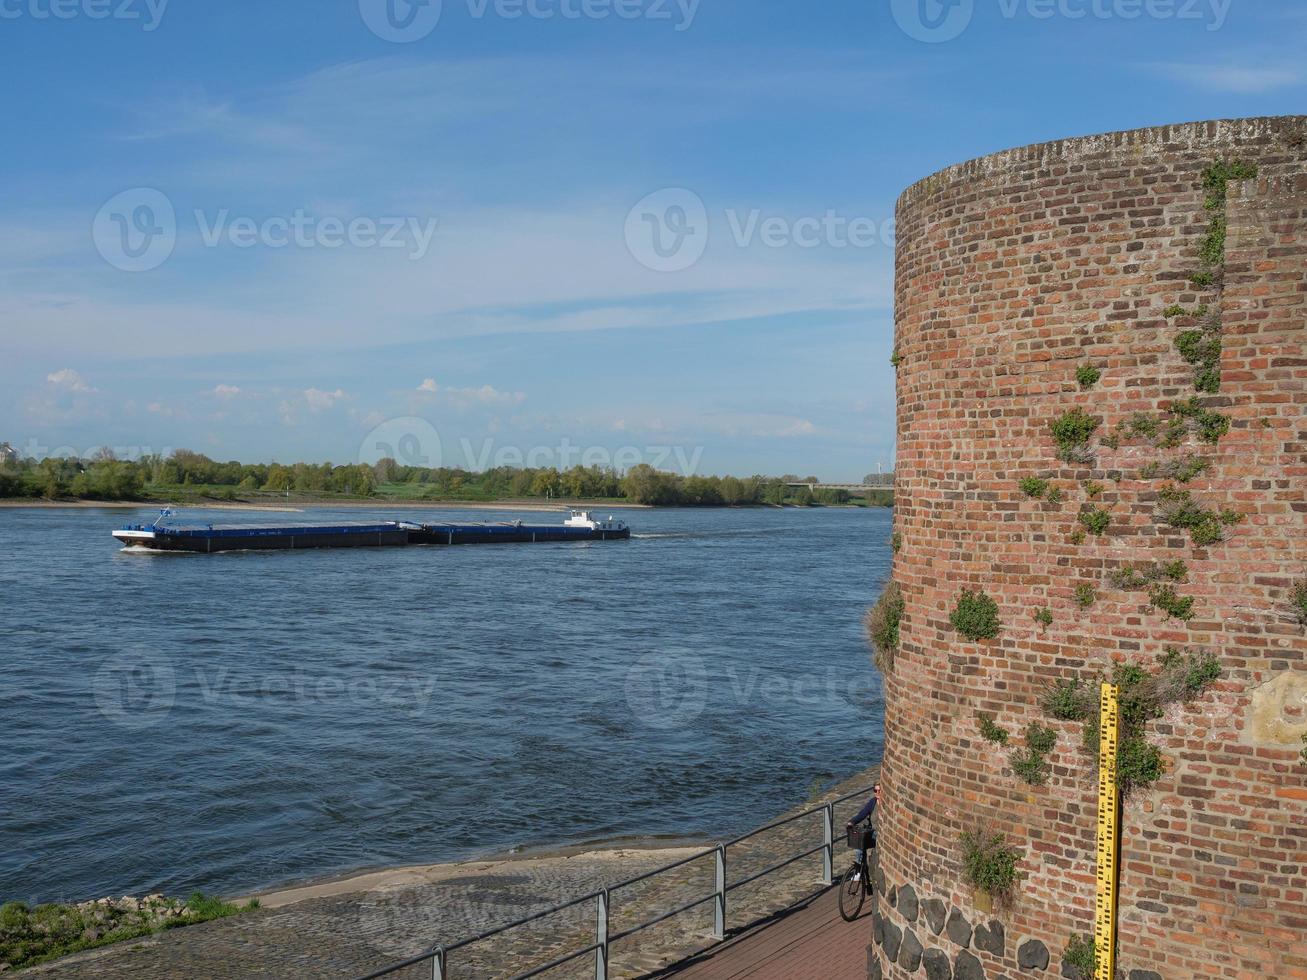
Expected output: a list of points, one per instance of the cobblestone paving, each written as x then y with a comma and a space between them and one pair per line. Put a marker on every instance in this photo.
348, 935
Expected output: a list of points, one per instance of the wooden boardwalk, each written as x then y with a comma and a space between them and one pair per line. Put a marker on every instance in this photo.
811, 942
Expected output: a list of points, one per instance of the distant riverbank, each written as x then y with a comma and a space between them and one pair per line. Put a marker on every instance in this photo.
296, 505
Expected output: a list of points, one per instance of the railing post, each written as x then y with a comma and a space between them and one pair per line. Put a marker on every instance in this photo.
439, 969
601, 937
719, 906
828, 855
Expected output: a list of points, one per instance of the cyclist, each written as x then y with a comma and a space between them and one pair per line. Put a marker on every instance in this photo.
862, 815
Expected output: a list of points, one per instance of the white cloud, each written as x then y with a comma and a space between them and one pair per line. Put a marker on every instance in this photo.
226, 391
1249, 79
69, 380
799, 427
320, 401
463, 397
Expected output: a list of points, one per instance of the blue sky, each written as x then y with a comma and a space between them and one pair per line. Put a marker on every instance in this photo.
655, 227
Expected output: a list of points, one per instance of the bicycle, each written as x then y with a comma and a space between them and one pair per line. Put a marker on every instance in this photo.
856, 884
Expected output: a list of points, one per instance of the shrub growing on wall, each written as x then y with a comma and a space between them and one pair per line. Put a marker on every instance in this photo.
882, 625
990, 864
975, 616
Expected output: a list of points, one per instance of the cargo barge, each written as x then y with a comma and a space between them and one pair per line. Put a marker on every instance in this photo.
208, 538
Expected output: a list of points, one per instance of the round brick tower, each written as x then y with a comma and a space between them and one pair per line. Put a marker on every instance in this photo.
1119, 321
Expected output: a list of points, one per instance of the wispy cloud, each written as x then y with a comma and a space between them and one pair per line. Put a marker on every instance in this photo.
69, 380
1246, 79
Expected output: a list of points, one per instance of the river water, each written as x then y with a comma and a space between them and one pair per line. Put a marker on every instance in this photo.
233, 722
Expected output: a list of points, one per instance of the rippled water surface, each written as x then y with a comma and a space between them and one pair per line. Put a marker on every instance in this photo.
230, 722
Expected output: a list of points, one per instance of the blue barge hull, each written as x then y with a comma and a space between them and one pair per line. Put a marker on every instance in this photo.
208, 538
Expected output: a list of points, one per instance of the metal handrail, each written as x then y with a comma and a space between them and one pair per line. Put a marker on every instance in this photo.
439, 954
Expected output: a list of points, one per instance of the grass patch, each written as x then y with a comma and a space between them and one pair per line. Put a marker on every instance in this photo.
1033, 487
1071, 434
1068, 701
989, 863
1081, 954
989, 730
1096, 521
975, 616
882, 625
1087, 375
33, 935
1205, 527
1031, 763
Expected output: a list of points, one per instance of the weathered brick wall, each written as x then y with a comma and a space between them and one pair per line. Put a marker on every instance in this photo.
1013, 270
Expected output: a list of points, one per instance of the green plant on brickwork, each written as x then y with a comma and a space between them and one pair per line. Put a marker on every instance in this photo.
1034, 487
1044, 617
1139, 424
1111, 441
1165, 599
1093, 488
1304, 750
1186, 416
1174, 310
1072, 432
1202, 349
1138, 763
975, 616
1179, 509
990, 731
989, 863
1216, 181
1081, 954
1298, 600
1185, 469
1031, 763
882, 625
1067, 701
1142, 697
1078, 536
1095, 520
896, 542
1203, 280
1134, 577
1054, 495
895, 360
1088, 375
1085, 596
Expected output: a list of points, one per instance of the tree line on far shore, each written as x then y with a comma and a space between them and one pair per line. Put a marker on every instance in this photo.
189, 473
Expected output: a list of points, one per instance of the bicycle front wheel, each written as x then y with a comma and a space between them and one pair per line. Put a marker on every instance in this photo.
852, 893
